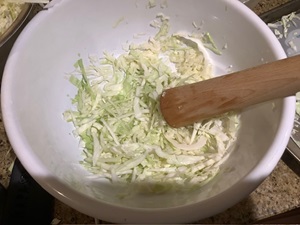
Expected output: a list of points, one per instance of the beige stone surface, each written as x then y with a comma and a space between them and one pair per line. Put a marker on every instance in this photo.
265, 5
280, 192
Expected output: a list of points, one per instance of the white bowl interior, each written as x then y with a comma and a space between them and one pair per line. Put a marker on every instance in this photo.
36, 91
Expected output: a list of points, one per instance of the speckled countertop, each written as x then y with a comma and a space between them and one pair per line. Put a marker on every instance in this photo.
280, 192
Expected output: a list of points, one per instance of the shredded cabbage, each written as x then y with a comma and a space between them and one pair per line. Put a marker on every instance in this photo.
117, 118
285, 23
10, 10
8, 14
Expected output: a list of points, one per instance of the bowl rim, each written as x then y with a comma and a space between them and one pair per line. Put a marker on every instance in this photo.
13, 28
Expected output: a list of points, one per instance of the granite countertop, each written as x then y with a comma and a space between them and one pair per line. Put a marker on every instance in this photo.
279, 193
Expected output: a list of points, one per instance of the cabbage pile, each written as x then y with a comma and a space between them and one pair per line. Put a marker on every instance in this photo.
117, 117
8, 14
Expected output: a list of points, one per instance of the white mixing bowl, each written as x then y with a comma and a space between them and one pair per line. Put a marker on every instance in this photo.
35, 93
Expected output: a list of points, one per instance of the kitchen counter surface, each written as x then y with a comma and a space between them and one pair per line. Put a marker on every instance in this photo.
279, 193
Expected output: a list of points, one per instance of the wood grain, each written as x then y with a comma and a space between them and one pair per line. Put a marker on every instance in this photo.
184, 105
